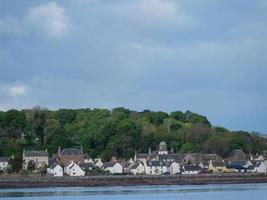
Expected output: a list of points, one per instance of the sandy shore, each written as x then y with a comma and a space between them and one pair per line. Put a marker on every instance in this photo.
35, 181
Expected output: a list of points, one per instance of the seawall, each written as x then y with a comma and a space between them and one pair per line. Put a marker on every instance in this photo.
32, 181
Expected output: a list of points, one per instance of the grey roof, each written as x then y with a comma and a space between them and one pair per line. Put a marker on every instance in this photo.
3, 159
237, 155
36, 153
218, 163
251, 167
109, 164
134, 166
86, 165
157, 163
125, 164
175, 157
192, 168
71, 151
202, 157
142, 155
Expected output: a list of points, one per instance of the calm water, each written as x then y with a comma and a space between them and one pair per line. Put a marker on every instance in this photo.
199, 192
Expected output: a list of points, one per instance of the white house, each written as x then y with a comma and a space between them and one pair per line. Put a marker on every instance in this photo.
156, 167
57, 171
175, 168
113, 168
137, 169
248, 163
98, 163
191, 169
260, 168
3, 163
72, 169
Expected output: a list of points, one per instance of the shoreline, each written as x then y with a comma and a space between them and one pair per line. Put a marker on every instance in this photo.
35, 181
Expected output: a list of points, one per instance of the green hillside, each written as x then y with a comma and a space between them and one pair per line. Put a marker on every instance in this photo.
119, 132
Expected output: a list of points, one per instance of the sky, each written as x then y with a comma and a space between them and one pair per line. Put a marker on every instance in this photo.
206, 56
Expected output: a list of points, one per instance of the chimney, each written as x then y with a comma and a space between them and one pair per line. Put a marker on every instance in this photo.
45, 149
149, 150
81, 148
172, 150
135, 156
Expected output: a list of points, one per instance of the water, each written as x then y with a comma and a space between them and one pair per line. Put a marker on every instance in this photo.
188, 192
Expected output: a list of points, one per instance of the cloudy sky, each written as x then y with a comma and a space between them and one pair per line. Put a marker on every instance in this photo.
207, 56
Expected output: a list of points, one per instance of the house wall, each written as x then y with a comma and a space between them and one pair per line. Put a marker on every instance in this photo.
65, 159
74, 170
139, 170
153, 170
58, 171
3, 165
40, 161
175, 168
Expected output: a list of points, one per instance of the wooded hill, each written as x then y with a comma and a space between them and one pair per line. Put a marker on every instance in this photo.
118, 132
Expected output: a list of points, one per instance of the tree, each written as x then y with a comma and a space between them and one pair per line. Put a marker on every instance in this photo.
38, 119
14, 122
188, 147
15, 163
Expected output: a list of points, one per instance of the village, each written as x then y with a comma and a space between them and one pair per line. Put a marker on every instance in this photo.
74, 162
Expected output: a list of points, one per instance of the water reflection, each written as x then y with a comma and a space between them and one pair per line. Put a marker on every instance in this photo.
110, 191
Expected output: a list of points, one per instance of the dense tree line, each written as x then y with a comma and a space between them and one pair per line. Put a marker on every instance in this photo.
118, 132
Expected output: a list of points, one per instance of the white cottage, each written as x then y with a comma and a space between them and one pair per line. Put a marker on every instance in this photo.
3, 163
260, 168
156, 167
56, 171
72, 169
191, 169
113, 167
98, 163
137, 169
175, 168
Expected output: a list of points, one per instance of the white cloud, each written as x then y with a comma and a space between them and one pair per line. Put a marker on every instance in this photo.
18, 90
48, 19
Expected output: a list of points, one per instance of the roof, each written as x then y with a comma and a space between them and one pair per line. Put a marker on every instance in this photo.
176, 157
142, 155
109, 164
218, 163
134, 166
237, 155
36, 154
71, 151
251, 167
236, 166
162, 143
157, 163
3, 159
86, 165
192, 168
125, 164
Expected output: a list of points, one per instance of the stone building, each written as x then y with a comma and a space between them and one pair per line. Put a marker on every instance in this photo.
70, 154
36, 158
